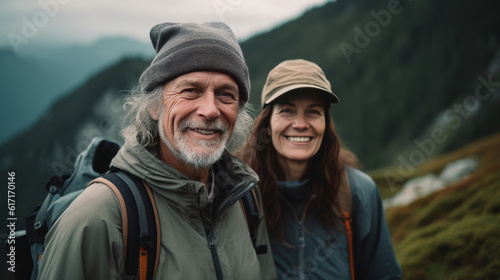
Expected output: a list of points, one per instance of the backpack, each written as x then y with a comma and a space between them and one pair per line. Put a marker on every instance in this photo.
345, 201
140, 223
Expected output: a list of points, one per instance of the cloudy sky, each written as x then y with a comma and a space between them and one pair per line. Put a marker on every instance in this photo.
34, 22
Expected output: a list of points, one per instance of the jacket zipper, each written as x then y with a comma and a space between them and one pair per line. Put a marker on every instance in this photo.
231, 199
302, 246
215, 256
301, 239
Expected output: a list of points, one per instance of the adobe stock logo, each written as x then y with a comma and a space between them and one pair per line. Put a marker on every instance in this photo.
485, 90
223, 6
39, 19
372, 29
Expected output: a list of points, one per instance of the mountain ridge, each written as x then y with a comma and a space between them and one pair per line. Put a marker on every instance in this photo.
43, 77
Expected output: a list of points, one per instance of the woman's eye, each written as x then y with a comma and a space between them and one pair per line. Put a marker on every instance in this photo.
315, 112
285, 110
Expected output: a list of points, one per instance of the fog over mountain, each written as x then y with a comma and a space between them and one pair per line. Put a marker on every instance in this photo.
33, 82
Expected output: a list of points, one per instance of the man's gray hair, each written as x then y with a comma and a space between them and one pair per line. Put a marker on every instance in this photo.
144, 128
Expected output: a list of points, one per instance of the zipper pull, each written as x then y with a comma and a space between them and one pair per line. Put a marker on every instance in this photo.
211, 242
302, 239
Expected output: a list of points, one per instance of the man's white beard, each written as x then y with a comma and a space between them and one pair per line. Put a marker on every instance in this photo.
184, 153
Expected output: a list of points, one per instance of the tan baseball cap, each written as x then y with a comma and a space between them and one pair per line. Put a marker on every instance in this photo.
295, 74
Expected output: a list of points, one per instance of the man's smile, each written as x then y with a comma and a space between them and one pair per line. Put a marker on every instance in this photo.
205, 131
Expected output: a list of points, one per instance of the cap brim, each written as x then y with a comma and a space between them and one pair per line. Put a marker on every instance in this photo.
331, 96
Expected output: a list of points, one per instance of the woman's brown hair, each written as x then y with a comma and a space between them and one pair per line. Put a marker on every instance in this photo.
324, 172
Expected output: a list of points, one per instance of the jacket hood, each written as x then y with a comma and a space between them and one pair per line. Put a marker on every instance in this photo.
174, 186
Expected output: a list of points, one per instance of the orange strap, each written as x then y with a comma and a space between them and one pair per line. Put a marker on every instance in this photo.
123, 211
348, 221
143, 263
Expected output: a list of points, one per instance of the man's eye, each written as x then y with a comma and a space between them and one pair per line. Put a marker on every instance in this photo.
189, 90
190, 93
226, 96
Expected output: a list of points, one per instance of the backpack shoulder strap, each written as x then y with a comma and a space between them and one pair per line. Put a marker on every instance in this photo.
345, 197
140, 229
250, 209
345, 201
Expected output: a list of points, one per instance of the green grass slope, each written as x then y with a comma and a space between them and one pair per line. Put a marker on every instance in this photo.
452, 233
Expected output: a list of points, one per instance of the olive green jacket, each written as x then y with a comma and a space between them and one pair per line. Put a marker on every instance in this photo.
86, 241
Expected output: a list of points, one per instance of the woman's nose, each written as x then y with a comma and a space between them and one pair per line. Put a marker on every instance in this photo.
300, 122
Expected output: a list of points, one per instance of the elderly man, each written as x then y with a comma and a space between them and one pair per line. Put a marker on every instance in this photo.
191, 101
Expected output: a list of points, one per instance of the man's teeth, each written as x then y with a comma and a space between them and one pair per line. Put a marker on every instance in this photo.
299, 139
205, 131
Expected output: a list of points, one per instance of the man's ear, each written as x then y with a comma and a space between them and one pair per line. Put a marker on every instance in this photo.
155, 115
156, 111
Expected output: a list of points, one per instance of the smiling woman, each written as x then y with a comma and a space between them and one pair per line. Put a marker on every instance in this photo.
297, 124
307, 179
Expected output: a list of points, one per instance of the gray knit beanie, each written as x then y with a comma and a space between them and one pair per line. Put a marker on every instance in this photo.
188, 47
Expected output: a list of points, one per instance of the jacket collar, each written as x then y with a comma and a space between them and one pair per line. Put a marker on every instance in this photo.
294, 190
176, 187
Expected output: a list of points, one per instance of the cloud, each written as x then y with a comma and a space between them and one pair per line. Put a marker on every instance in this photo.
73, 21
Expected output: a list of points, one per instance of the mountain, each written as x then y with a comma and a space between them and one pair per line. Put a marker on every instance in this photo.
23, 80
50, 147
32, 82
83, 60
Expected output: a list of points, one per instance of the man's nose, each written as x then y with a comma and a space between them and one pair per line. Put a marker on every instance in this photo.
207, 106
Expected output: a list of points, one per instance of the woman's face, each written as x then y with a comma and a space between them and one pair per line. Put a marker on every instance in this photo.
297, 126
